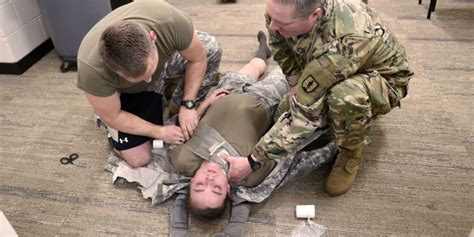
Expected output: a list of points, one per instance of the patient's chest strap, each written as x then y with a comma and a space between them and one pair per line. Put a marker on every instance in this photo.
208, 144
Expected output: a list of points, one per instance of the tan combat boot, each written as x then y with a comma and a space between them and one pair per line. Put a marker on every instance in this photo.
344, 171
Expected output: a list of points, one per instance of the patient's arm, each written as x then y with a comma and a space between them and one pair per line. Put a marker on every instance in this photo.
215, 95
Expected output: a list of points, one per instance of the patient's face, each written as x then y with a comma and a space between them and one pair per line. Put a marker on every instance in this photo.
209, 186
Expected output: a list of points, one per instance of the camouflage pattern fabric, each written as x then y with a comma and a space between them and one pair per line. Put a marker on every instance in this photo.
291, 167
350, 119
176, 65
268, 91
161, 187
350, 41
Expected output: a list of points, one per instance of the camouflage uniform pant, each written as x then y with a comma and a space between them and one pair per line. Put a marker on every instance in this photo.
352, 103
175, 69
269, 90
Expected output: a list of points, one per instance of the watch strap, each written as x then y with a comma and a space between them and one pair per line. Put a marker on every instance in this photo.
254, 165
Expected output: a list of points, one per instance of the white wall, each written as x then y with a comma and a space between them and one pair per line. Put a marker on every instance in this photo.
22, 29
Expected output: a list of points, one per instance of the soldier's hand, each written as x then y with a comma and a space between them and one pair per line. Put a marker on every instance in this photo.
187, 121
171, 134
239, 168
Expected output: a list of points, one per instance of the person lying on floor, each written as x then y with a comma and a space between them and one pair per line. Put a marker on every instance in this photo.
238, 113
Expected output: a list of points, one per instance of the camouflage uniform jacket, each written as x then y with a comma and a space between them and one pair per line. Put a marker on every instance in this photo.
348, 39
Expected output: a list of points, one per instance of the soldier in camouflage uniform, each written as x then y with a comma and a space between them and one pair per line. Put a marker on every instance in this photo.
344, 66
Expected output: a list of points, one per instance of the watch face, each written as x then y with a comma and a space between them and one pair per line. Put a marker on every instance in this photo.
188, 104
256, 166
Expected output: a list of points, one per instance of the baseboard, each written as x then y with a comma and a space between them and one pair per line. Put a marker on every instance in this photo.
26, 62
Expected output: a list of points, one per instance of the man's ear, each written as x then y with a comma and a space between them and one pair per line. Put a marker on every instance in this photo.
315, 14
153, 36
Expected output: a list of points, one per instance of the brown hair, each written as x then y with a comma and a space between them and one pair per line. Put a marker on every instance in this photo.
125, 46
303, 8
207, 214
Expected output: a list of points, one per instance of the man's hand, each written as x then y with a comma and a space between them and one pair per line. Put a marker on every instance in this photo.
171, 134
187, 121
239, 168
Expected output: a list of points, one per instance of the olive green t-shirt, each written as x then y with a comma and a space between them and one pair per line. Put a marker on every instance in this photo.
240, 119
174, 32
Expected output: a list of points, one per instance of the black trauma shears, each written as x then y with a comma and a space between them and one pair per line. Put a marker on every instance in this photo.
71, 160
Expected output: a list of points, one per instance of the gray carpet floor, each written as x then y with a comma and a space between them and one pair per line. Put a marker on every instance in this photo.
416, 180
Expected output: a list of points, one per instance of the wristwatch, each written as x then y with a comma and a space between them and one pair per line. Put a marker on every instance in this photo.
254, 165
188, 104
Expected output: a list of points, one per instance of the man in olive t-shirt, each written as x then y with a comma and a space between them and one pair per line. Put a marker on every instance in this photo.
123, 62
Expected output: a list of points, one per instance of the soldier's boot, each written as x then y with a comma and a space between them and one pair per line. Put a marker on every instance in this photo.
344, 171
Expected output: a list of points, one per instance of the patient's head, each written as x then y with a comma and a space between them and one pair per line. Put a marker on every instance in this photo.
208, 191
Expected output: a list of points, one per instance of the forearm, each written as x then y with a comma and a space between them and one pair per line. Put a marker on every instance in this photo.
130, 123
195, 72
303, 118
110, 111
291, 130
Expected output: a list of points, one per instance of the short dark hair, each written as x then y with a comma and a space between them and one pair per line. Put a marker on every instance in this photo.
207, 214
303, 8
126, 47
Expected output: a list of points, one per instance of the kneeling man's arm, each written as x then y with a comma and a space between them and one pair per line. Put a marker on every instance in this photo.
109, 110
